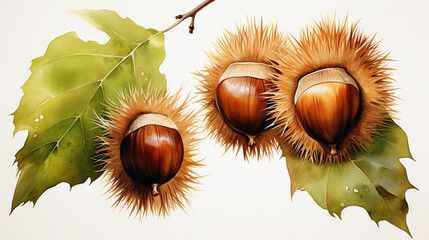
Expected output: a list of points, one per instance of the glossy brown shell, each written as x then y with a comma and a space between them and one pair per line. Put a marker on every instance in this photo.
241, 104
328, 111
152, 154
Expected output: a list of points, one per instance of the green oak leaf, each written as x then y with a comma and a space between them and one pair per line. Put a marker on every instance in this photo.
69, 86
374, 179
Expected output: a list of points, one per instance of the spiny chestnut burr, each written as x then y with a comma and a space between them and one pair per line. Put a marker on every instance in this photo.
149, 148
152, 150
234, 86
327, 104
345, 93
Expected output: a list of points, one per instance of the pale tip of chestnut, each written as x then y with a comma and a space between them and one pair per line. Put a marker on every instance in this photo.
334, 150
251, 141
155, 189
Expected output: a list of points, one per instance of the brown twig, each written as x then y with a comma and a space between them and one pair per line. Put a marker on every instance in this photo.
191, 14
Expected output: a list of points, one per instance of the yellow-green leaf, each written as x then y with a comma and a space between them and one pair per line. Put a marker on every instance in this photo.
68, 87
374, 179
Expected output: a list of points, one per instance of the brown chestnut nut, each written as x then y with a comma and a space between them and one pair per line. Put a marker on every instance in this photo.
327, 104
152, 150
240, 101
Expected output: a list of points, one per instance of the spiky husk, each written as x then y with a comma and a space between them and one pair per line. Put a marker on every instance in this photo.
254, 42
136, 197
333, 44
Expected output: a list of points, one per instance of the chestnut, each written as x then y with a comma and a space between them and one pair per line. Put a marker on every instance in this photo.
240, 101
152, 150
328, 105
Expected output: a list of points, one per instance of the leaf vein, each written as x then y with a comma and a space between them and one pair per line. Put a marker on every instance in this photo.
385, 166
54, 96
326, 188
83, 133
80, 54
101, 83
35, 149
367, 178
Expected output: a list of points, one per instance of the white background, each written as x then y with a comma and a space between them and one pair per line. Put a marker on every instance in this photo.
238, 200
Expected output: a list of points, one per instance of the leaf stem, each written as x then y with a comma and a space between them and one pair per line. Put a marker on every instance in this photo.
191, 14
